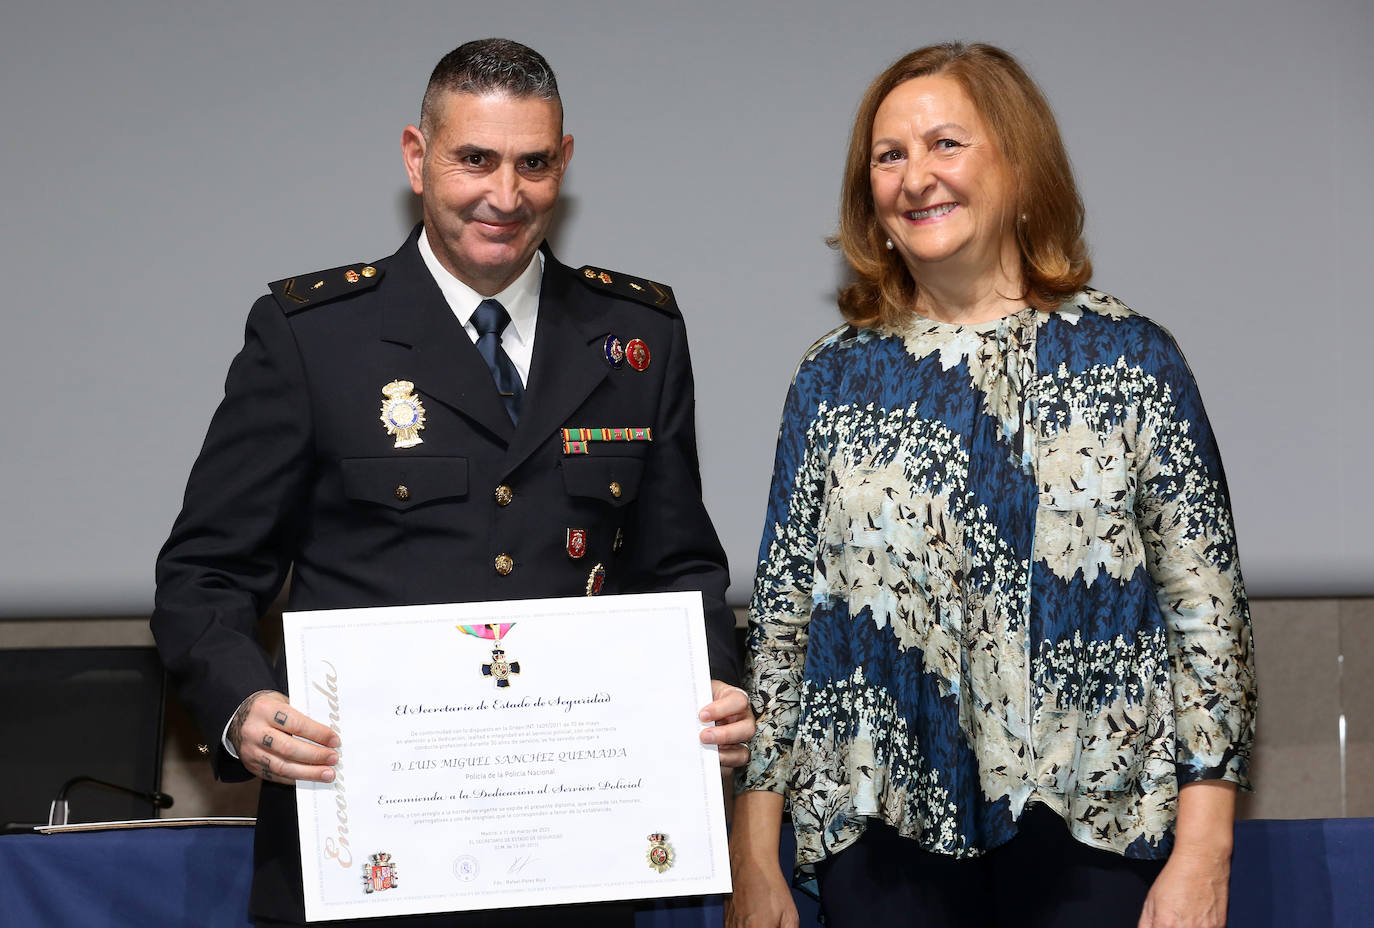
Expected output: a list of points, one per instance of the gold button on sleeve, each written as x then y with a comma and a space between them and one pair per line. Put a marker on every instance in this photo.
504, 495
615, 488
504, 564
403, 492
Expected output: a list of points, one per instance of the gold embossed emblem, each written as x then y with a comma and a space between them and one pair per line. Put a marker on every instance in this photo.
402, 413
604, 277
660, 854
352, 277
369, 271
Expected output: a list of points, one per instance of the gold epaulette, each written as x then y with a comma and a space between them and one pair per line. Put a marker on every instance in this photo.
293, 293
659, 296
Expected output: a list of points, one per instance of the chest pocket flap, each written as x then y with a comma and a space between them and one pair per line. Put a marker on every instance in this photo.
404, 483
613, 480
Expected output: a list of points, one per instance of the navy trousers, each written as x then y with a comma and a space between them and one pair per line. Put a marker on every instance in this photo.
1042, 878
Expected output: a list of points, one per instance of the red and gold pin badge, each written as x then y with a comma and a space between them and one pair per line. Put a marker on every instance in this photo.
576, 542
637, 353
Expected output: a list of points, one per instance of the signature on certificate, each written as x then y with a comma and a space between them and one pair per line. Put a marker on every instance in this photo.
520, 863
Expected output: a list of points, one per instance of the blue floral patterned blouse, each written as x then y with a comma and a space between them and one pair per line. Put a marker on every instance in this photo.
998, 567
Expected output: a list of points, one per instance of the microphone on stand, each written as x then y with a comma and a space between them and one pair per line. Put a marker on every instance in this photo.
57, 813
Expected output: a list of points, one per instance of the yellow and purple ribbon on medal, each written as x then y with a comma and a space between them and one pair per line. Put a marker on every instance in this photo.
579, 441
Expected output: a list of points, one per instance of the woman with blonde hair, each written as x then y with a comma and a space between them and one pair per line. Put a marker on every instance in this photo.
1000, 646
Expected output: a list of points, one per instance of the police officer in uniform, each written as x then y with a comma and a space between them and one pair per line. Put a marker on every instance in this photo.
467, 419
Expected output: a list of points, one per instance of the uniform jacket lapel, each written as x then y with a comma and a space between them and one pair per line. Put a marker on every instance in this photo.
566, 368
446, 364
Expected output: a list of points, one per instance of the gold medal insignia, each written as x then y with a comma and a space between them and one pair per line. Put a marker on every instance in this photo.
501, 668
660, 853
402, 413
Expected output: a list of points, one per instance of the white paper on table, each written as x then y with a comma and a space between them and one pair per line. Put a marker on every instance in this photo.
542, 792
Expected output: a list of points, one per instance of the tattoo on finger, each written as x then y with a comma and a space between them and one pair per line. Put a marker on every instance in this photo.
267, 741
235, 732
279, 718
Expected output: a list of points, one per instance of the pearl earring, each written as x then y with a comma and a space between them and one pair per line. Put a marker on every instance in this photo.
889, 244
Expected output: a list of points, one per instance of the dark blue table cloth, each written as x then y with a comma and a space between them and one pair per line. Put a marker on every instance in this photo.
1285, 874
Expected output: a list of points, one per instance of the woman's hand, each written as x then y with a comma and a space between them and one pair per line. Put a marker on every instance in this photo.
762, 898
734, 724
1190, 892
1192, 889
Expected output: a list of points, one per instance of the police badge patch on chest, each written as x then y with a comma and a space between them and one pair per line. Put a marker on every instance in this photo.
402, 413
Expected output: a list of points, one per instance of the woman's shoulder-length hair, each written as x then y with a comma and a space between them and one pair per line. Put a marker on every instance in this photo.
1049, 211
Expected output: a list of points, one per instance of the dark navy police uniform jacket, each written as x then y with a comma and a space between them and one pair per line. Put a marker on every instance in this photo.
298, 473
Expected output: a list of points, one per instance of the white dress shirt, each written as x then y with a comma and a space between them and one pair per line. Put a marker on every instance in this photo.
521, 300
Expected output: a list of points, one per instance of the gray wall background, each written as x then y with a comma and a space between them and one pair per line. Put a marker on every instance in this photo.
162, 161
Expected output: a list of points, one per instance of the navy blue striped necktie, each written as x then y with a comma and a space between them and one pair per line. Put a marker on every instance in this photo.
489, 319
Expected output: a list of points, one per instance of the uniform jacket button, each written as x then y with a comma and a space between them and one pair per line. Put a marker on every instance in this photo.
615, 488
504, 564
504, 495
403, 492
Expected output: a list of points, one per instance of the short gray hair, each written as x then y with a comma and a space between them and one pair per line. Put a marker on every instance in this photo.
486, 66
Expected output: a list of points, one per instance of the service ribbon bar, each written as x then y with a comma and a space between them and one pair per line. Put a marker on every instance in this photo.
578, 441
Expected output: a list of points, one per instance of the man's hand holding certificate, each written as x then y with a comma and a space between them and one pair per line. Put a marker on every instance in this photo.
508, 754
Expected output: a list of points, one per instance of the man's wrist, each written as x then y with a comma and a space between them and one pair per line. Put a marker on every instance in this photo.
233, 728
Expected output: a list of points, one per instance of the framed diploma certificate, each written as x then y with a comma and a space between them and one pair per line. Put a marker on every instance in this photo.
502, 754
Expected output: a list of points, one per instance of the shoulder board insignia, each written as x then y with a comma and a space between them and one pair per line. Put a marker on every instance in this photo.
659, 296
298, 292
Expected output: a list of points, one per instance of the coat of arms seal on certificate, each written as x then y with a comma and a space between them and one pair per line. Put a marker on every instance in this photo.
379, 873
